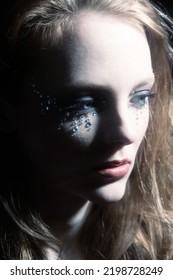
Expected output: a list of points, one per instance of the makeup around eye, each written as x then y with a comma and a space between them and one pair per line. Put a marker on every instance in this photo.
79, 114
80, 106
73, 112
140, 98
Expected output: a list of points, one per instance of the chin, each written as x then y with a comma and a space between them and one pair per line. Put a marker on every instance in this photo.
109, 193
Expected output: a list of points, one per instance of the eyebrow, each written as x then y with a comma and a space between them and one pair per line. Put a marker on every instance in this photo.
84, 86
147, 81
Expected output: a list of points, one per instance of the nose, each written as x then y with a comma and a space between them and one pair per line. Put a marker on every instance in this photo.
118, 128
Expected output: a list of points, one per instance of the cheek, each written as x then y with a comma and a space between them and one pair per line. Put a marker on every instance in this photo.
80, 130
141, 120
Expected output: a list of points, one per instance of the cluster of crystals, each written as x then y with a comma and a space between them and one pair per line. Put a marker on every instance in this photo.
47, 103
76, 122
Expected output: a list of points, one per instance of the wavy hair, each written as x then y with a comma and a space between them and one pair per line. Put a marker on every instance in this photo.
140, 226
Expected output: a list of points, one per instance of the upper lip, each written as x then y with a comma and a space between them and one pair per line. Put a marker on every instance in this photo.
114, 163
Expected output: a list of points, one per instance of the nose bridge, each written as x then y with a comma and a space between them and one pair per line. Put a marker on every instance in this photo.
119, 127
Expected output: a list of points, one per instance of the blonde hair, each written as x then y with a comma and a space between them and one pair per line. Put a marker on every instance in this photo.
140, 226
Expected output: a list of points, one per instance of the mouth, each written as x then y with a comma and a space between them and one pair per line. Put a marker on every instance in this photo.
114, 169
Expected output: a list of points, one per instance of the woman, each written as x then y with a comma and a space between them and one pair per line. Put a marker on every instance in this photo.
85, 131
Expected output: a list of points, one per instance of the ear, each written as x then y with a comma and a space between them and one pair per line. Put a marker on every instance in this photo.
6, 117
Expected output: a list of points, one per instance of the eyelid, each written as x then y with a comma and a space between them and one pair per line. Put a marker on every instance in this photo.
140, 91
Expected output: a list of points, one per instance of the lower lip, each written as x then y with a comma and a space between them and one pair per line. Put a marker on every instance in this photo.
115, 172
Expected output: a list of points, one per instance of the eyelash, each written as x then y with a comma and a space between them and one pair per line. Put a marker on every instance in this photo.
139, 98
82, 107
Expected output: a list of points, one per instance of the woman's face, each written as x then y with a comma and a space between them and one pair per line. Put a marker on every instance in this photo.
86, 109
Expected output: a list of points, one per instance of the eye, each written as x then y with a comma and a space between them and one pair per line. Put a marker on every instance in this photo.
77, 112
139, 99
81, 106
78, 107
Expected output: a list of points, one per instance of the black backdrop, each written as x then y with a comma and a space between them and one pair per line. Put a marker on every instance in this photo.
167, 4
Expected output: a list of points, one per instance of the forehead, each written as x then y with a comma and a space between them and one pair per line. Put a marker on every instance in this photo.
101, 47
87, 25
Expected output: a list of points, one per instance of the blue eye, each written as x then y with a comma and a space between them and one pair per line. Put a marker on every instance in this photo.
139, 99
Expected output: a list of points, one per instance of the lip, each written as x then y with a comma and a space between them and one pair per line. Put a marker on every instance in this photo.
114, 169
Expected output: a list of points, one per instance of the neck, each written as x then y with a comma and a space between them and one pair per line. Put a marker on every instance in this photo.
68, 225
67, 229
76, 221
64, 213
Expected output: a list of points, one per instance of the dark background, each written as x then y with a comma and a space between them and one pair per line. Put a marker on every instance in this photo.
167, 4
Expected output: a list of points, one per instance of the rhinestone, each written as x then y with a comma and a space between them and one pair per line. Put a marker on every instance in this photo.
67, 114
49, 101
75, 129
88, 124
60, 126
80, 123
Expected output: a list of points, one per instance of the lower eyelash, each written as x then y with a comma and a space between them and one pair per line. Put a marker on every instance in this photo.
143, 97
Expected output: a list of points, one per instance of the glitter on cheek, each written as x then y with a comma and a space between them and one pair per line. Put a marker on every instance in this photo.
139, 114
142, 115
76, 124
